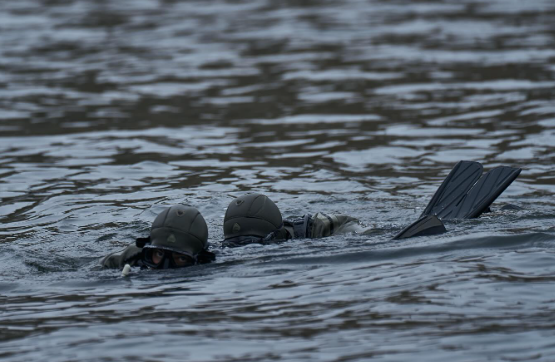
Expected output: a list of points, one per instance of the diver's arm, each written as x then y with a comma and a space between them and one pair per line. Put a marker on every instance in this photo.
334, 224
130, 255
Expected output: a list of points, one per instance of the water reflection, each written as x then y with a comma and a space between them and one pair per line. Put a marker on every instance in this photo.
110, 111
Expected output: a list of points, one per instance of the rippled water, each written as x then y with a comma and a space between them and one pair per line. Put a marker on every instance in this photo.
111, 111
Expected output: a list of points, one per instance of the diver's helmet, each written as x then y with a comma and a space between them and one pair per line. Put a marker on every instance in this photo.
252, 215
177, 237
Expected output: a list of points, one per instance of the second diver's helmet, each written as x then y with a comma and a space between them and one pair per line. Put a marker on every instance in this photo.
251, 218
178, 238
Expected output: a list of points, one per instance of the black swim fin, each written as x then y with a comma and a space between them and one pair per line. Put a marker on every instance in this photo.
427, 225
454, 188
461, 197
484, 192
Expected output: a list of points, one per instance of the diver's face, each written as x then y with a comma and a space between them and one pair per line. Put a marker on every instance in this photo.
179, 260
157, 256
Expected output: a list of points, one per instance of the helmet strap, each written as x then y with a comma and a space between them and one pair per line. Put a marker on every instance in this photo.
279, 234
141, 242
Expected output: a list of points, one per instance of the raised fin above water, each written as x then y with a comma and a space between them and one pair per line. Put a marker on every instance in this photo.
454, 187
426, 225
484, 193
464, 194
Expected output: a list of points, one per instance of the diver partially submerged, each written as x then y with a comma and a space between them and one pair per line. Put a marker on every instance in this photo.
464, 194
179, 235
255, 219
178, 238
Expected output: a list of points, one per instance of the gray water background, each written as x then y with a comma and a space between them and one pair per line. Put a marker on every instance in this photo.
112, 110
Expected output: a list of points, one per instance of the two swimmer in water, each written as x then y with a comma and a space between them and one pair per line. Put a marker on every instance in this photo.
179, 234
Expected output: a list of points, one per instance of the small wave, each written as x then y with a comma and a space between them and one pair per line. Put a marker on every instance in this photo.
517, 242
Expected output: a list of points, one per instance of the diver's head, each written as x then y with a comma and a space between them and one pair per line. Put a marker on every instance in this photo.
251, 218
178, 237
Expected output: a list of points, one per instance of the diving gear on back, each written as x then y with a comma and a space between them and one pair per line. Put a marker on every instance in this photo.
318, 226
324, 225
179, 233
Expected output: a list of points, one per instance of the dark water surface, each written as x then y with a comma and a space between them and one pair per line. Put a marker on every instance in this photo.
112, 110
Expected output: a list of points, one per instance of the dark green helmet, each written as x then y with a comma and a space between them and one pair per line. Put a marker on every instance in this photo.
251, 215
180, 229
